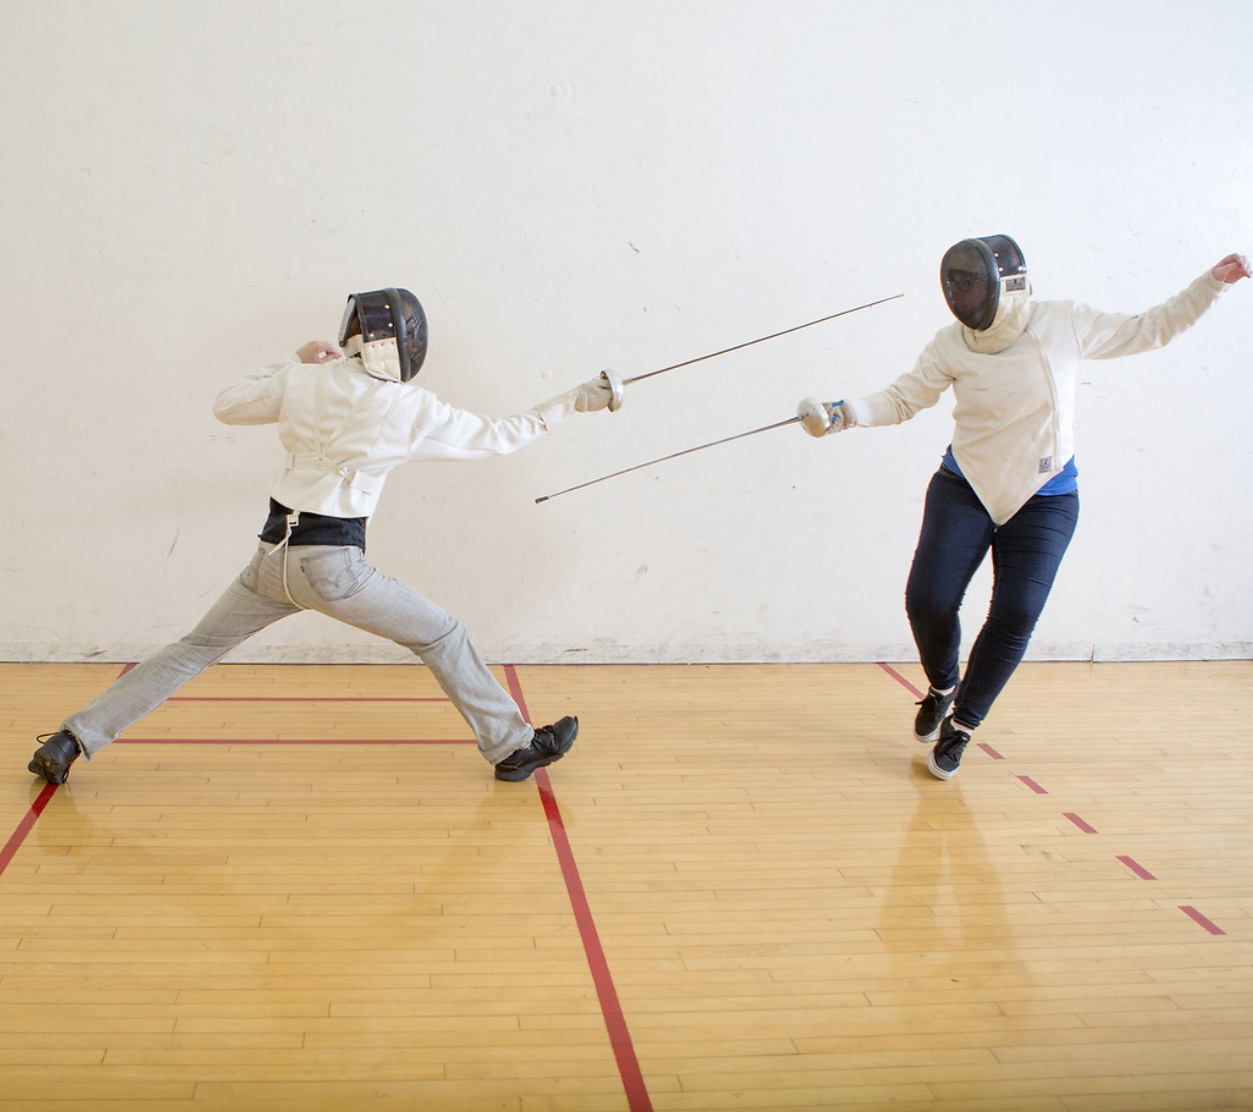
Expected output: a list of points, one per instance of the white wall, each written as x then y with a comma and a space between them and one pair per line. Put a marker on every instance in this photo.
192, 189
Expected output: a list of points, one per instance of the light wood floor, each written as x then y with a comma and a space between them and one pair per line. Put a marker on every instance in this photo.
299, 888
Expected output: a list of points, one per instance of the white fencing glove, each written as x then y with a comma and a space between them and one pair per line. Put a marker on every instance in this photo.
593, 395
823, 418
587, 397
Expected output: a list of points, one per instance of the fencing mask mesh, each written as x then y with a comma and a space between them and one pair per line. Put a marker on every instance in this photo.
391, 325
975, 272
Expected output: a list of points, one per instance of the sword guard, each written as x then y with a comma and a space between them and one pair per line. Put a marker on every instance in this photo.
614, 382
814, 417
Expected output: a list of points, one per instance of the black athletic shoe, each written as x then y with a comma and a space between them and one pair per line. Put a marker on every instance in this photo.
931, 712
53, 758
548, 744
946, 758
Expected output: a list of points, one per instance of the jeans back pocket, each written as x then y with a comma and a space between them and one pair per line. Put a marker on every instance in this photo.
335, 574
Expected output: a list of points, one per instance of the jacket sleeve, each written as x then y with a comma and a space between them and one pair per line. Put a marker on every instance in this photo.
1108, 335
257, 398
913, 392
443, 432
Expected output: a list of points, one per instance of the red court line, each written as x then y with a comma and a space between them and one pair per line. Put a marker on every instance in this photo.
1192, 913
24, 827
1080, 823
295, 698
990, 751
294, 741
633, 1083
635, 1088
901, 679
619, 1034
304, 699
1136, 868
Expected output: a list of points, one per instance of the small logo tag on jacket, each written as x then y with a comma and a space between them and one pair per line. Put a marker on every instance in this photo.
1046, 464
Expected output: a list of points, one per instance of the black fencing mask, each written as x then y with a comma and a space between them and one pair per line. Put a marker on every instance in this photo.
392, 327
975, 272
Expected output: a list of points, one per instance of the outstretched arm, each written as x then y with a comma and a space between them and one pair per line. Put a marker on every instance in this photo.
1110, 335
442, 432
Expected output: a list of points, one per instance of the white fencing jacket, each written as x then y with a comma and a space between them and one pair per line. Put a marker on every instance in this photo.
1015, 410
344, 430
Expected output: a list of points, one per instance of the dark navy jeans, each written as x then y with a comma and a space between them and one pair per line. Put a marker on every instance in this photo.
957, 534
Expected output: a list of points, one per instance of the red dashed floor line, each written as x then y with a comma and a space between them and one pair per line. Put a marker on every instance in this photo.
1136, 867
1086, 827
1192, 913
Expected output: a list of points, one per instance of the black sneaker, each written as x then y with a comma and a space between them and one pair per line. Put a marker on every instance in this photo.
53, 758
945, 759
931, 712
548, 744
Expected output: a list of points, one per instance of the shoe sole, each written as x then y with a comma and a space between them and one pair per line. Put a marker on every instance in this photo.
517, 775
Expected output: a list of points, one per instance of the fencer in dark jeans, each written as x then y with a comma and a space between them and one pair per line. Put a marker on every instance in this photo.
1012, 364
957, 534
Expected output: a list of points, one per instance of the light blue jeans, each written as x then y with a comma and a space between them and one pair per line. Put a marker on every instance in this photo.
335, 581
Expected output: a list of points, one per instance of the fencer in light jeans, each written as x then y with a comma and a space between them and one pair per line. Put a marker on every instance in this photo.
336, 581
346, 417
